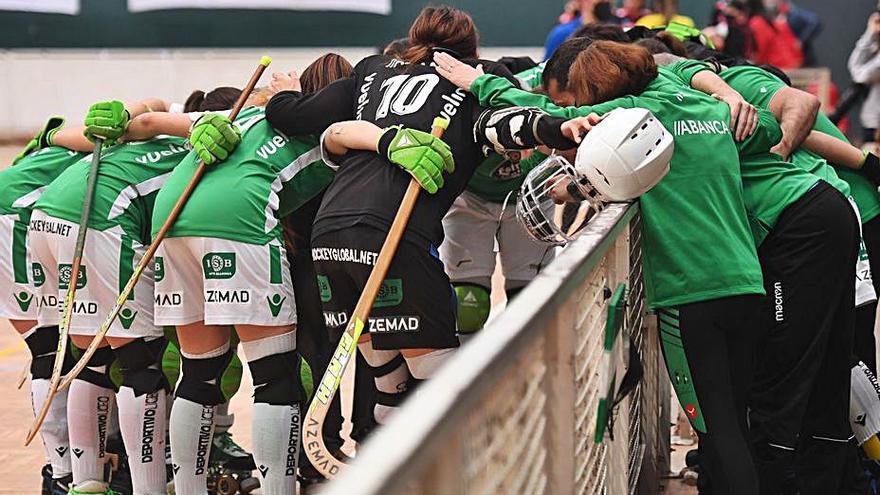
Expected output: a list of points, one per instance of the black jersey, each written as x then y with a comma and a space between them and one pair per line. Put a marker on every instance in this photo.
367, 189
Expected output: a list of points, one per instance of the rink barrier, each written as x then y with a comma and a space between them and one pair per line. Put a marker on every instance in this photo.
514, 411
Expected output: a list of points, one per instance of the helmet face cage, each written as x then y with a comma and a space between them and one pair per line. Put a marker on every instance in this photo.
543, 219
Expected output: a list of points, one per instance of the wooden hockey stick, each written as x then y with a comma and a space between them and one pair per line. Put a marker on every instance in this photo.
151, 250
313, 440
72, 281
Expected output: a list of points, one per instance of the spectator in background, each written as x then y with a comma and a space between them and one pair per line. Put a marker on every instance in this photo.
806, 25
632, 11
729, 28
773, 41
590, 11
864, 67
665, 11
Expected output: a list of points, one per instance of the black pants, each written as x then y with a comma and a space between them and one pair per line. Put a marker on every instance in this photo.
800, 403
709, 350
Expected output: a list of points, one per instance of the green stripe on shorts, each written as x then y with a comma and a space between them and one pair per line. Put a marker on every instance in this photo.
126, 263
274, 264
19, 252
678, 367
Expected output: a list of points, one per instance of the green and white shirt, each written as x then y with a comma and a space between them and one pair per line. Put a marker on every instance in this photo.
697, 242
22, 186
242, 198
129, 177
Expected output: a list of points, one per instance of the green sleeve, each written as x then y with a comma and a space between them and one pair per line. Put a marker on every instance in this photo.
766, 135
532, 161
685, 70
494, 91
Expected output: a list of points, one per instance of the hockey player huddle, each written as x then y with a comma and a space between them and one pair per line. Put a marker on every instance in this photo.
758, 219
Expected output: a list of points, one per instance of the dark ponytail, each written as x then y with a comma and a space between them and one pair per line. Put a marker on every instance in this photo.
222, 98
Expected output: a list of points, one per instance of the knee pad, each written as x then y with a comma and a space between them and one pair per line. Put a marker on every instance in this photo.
140, 363
391, 377
97, 370
42, 344
473, 307
201, 376
274, 366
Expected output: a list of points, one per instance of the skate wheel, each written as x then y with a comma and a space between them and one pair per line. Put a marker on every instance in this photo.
248, 485
227, 485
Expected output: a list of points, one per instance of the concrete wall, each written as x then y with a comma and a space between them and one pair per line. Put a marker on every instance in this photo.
37, 83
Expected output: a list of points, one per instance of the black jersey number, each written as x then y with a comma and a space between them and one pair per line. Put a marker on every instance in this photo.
405, 94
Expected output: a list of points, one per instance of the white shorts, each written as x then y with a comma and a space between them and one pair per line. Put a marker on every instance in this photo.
109, 258
223, 282
865, 293
473, 228
17, 299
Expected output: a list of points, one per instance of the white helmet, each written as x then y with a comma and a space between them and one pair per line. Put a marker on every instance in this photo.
626, 154
543, 219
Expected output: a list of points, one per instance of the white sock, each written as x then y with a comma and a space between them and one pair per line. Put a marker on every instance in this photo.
192, 428
222, 419
276, 460
142, 423
54, 431
89, 409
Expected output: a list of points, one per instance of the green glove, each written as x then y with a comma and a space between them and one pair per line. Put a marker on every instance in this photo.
43, 139
214, 137
419, 153
107, 120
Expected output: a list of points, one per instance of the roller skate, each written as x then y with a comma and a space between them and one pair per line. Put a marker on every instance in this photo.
231, 469
51, 486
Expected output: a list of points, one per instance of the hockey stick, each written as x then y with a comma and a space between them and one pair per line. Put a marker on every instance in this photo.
163, 231
313, 440
72, 282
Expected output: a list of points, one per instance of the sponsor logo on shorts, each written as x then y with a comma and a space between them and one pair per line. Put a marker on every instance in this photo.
159, 268
50, 227
231, 296
219, 265
169, 299
861, 419
47, 302
263, 470
390, 293
324, 288
275, 302
779, 309
151, 403
24, 299
38, 274
64, 271
335, 318
348, 255
394, 324
175, 468
204, 442
77, 452
126, 318
83, 308
61, 450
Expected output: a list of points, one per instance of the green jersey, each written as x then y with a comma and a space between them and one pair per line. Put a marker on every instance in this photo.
242, 199
499, 175
696, 237
864, 193
24, 183
758, 87
129, 176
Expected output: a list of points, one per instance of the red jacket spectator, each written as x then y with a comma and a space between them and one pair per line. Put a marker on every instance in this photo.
775, 43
